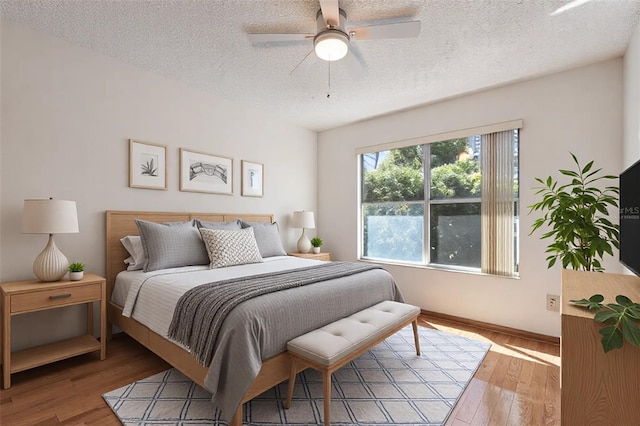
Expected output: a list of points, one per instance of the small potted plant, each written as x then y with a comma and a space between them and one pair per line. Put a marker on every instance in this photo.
76, 271
316, 243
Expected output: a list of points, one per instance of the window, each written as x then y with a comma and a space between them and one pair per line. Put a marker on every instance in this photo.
449, 203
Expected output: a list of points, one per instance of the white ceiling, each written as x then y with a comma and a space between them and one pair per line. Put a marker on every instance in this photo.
464, 46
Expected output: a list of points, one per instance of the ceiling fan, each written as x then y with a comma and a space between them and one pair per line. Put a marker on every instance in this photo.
332, 39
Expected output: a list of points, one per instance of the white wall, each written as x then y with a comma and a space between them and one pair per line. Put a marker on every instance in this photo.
631, 152
67, 115
578, 110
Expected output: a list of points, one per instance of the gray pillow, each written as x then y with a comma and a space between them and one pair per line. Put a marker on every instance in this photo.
267, 237
171, 245
225, 226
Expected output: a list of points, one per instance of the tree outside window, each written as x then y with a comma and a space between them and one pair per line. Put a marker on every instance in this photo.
395, 198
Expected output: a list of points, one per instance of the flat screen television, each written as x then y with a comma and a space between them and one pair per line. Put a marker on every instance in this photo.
630, 218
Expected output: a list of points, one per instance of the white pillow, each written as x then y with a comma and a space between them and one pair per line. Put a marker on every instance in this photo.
137, 257
228, 248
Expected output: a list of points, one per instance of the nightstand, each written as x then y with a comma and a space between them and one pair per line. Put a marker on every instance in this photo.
318, 256
22, 297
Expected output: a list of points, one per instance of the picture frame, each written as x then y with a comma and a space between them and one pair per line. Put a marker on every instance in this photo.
252, 179
147, 165
204, 172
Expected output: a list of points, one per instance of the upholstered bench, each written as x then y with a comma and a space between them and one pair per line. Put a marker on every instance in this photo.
334, 345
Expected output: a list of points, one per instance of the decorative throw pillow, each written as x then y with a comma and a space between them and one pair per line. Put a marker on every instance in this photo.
133, 244
228, 248
267, 237
218, 225
171, 245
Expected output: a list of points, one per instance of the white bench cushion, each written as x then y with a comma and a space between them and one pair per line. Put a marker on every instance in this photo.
334, 341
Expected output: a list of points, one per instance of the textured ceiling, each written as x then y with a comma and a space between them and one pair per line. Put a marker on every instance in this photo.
464, 46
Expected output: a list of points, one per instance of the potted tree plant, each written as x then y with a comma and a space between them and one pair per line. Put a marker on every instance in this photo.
76, 271
316, 242
577, 214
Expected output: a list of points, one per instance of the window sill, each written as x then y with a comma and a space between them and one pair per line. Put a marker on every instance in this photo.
436, 267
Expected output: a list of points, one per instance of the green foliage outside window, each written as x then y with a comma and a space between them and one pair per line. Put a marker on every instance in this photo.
447, 152
394, 184
396, 188
461, 179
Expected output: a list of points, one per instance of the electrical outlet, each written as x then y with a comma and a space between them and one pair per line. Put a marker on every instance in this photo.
553, 302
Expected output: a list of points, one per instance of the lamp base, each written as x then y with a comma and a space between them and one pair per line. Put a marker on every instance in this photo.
304, 245
51, 264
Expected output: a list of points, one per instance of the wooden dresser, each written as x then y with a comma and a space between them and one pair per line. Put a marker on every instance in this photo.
596, 388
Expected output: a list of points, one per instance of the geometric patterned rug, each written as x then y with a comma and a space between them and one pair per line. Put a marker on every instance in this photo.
388, 385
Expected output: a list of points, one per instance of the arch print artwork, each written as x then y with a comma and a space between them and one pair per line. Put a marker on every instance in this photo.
203, 172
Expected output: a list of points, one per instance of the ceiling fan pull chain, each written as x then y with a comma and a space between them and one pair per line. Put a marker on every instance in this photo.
329, 90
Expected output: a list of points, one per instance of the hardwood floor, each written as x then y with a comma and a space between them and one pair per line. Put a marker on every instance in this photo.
516, 384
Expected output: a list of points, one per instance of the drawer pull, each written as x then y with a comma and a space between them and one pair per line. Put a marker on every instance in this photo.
60, 296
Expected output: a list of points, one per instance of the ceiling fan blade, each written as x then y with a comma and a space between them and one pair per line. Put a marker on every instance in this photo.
306, 63
330, 12
268, 37
398, 30
354, 65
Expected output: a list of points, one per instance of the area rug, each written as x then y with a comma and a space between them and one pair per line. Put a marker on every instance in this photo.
387, 385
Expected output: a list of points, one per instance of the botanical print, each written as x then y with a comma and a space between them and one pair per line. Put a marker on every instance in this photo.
147, 165
252, 179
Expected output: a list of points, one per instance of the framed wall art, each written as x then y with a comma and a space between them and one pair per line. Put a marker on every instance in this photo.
203, 172
147, 165
252, 179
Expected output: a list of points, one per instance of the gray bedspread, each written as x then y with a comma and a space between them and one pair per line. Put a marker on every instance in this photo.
201, 311
259, 328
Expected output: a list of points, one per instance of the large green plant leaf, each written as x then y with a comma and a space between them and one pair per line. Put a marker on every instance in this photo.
622, 320
611, 338
592, 303
630, 331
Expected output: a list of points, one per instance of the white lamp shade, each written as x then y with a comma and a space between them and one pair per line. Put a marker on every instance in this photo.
303, 219
46, 216
331, 45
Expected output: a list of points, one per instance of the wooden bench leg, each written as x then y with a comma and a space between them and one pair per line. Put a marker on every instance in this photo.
292, 382
326, 382
416, 337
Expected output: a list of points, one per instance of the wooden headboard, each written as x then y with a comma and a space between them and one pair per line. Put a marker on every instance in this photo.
122, 223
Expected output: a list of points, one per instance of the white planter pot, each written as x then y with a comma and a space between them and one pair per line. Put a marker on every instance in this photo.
76, 276
316, 250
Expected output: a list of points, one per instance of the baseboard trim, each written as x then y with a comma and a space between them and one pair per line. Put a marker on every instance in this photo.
493, 327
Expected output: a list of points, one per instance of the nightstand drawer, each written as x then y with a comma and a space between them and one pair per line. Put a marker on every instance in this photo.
46, 299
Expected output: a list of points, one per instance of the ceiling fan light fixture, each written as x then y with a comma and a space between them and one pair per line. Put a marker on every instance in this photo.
331, 45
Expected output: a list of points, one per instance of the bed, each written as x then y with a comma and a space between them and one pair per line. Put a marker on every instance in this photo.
274, 367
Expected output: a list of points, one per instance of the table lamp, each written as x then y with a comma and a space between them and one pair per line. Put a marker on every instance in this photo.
303, 220
48, 216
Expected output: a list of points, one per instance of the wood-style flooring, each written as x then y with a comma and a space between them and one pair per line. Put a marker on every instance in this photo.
516, 384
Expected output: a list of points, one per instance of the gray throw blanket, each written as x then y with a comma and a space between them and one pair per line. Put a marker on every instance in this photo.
200, 312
